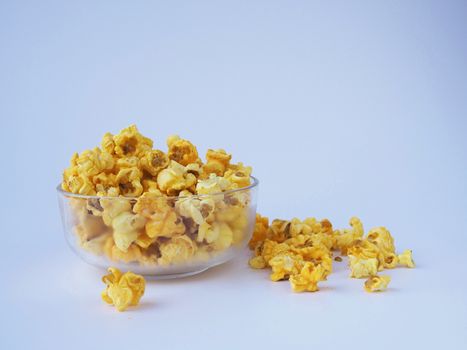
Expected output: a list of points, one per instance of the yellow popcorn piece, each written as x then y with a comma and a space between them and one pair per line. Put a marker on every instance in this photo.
362, 267
175, 178
106, 184
162, 220
177, 250
284, 265
260, 231
238, 175
154, 161
279, 230
343, 238
224, 238
381, 237
181, 151
151, 186
363, 248
257, 262
405, 259
150, 204
219, 235
197, 209
217, 161
129, 142
269, 249
132, 254
129, 182
78, 184
108, 144
308, 278
211, 185
126, 229
377, 283
123, 290
92, 162
390, 261
318, 255
111, 208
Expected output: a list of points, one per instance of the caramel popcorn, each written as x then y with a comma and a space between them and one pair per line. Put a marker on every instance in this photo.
155, 207
122, 290
377, 283
301, 251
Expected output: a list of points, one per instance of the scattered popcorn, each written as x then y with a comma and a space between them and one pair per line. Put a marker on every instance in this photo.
377, 283
123, 290
301, 251
152, 207
362, 268
308, 278
284, 265
405, 259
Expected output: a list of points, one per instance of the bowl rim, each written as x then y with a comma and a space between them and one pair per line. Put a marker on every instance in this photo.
254, 184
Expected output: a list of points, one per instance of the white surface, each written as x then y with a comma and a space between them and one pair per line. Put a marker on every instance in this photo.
342, 108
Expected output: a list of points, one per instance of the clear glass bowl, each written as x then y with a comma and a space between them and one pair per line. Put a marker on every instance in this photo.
166, 237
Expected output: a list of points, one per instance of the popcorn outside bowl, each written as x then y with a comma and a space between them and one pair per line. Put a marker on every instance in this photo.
167, 237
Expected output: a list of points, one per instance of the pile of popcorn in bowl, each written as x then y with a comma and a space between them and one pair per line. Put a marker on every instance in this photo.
169, 213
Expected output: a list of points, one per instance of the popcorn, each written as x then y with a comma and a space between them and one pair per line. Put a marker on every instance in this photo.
214, 184
301, 251
270, 249
361, 267
178, 250
343, 238
154, 161
260, 231
197, 209
111, 208
164, 224
92, 162
405, 259
129, 182
238, 175
126, 229
279, 230
181, 151
108, 144
130, 142
377, 283
258, 262
308, 278
123, 290
175, 178
284, 265
217, 161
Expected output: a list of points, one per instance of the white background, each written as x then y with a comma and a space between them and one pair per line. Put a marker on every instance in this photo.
342, 108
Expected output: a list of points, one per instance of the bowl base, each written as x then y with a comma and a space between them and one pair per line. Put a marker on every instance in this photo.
170, 276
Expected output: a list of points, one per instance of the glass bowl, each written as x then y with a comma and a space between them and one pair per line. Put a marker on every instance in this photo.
161, 236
